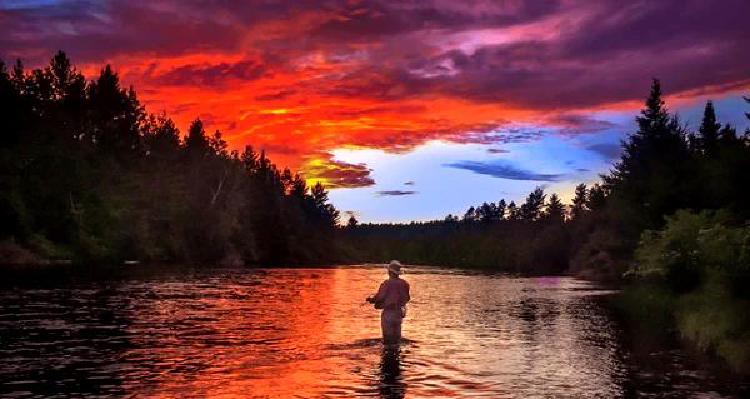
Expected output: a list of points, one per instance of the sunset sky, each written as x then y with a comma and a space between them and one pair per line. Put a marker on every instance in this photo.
408, 110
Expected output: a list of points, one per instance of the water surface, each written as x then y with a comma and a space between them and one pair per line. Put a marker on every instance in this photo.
307, 333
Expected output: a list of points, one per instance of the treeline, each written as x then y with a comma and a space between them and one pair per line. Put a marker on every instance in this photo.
664, 168
87, 175
671, 222
536, 237
532, 238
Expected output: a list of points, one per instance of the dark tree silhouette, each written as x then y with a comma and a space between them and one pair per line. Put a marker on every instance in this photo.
513, 211
650, 177
533, 207
86, 174
596, 198
470, 215
501, 209
555, 211
708, 138
579, 201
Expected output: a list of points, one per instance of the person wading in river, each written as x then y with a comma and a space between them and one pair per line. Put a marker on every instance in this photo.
392, 298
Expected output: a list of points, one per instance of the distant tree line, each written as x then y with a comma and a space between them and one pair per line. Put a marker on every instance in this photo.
664, 168
86, 174
670, 222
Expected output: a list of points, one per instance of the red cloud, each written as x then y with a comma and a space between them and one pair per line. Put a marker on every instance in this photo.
300, 79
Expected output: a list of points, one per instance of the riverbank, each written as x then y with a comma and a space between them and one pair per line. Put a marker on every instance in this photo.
710, 322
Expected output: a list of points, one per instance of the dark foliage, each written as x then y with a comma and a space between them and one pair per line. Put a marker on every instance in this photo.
86, 174
663, 169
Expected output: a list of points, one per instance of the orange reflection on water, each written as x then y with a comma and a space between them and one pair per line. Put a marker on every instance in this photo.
279, 333
305, 333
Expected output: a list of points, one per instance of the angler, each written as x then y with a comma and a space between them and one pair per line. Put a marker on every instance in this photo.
392, 297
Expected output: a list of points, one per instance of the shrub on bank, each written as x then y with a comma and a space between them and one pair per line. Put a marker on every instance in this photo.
702, 259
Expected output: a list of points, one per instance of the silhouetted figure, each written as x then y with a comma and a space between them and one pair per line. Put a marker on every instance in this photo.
392, 298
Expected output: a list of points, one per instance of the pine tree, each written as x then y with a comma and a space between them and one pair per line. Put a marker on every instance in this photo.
596, 197
709, 130
299, 187
649, 180
117, 115
64, 75
196, 142
161, 137
727, 135
555, 209
579, 201
327, 214
532, 208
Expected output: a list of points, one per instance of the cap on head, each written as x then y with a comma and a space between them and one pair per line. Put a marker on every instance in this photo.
394, 267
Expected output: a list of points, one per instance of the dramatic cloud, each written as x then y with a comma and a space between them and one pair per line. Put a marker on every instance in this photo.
573, 124
504, 170
211, 75
302, 79
338, 174
395, 193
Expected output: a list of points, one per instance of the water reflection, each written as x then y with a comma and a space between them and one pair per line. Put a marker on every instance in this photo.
305, 333
391, 386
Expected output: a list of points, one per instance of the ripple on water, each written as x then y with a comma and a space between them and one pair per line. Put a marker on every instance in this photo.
306, 333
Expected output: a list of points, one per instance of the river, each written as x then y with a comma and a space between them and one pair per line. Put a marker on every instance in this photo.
266, 333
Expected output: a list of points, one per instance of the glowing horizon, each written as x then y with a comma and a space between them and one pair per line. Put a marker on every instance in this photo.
366, 96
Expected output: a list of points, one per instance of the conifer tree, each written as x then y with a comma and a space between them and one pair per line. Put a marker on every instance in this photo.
579, 201
709, 130
649, 178
596, 197
555, 211
532, 208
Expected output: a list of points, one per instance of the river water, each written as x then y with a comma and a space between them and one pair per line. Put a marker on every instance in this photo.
306, 333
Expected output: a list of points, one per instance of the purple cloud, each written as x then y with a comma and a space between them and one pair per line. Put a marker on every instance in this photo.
395, 193
548, 55
211, 75
504, 170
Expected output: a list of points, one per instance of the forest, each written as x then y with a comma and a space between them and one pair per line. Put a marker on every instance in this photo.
669, 225
666, 174
89, 177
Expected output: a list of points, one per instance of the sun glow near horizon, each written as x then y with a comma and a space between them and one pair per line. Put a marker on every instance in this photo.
305, 83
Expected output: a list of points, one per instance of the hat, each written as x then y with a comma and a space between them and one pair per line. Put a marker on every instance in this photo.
394, 267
